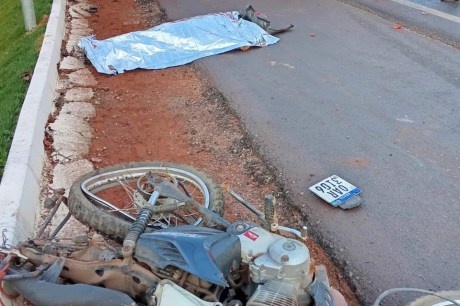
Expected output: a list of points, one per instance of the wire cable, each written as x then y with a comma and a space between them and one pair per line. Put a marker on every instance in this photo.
390, 291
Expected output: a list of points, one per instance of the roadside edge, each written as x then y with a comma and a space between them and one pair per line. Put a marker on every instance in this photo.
21, 182
430, 25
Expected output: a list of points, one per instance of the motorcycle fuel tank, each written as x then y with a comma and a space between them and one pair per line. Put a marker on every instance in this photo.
204, 252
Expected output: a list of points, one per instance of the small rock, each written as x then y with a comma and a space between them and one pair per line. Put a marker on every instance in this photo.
96, 159
71, 63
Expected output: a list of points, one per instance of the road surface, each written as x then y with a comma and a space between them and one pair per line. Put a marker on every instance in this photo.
344, 93
450, 7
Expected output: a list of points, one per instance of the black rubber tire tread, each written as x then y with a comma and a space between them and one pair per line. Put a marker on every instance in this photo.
111, 225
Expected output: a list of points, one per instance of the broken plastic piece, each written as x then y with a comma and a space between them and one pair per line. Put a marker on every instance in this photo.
352, 202
250, 14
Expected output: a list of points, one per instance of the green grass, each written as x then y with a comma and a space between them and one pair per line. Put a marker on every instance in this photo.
18, 54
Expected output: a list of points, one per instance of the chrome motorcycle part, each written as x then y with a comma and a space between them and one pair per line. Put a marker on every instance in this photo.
239, 227
146, 188
274, 293
248, 205
60, 226
139, 225
52, 203
269, 218
165, 189
286, 259
255, 242
105, 199
302, 234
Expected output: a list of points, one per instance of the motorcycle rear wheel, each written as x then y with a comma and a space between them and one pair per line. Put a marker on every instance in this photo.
104, 199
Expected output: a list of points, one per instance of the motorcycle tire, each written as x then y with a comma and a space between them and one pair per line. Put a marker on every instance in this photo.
87, 209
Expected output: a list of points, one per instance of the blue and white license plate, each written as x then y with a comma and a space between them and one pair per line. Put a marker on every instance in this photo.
335, 190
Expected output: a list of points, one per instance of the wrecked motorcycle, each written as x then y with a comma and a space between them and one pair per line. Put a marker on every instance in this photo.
166, 257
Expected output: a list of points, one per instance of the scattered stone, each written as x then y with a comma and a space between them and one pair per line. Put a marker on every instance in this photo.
96, 160
71, 131
63, 84
81, 32
71, 63
79, 24
82, 77
79, 94
65, 174
72, 43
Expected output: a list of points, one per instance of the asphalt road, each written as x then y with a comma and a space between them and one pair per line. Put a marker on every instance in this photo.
450, 7
437, 19
344, 93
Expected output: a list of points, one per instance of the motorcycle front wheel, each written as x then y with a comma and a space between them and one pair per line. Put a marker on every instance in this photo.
109, 199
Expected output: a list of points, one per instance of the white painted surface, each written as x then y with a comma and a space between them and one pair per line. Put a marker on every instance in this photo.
20, 186
28, 12
429, 10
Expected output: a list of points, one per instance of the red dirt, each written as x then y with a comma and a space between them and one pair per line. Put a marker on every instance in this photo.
174, 115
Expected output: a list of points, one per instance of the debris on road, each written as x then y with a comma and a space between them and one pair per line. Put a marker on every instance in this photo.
174, 43
338, 192
250, 14
192, 123
397, 26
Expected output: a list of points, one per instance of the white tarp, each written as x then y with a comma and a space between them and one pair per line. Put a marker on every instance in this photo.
174, 43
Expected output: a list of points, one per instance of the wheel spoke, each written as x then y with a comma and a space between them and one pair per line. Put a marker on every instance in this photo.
191, 194
115, 192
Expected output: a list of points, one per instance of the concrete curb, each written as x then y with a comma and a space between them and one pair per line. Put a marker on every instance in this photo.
21, 182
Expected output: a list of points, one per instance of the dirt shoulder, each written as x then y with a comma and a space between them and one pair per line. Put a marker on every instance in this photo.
175, 115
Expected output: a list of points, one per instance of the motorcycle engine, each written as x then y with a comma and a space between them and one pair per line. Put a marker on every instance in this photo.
281, 267
286, 259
